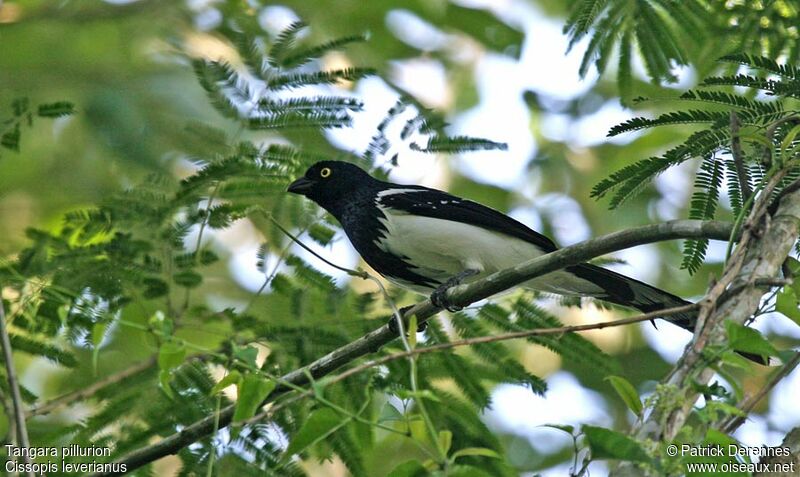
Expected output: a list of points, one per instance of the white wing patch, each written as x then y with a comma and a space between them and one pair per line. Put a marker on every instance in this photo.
440, 249
388, 192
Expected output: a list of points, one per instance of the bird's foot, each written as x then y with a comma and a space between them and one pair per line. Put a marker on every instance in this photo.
393, 321
439, 296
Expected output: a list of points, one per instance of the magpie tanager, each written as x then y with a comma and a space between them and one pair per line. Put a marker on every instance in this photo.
427, 241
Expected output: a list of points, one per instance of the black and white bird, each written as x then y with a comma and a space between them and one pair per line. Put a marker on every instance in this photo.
427, 241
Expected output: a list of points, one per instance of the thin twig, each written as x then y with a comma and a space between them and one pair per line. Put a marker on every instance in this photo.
398, 317
93, 389
13, 385
463, 294
354, 273
766, 241
664, 314
199, 243
748, 404
738, 157
271, 275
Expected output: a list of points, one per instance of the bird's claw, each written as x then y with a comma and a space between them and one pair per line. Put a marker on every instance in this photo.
439, 296
439, 299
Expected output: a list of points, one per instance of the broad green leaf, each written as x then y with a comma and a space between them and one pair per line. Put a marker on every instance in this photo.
476, 451
627, 392
467, 471
786, 303
253, 389
318, 425
445, 440
234, 377
713, 436
794, 267
410, 468
417, 429
163, 382
170, 355
98, 333
744, 338
246, 355
607, 444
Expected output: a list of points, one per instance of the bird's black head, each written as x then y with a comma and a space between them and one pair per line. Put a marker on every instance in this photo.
331, 183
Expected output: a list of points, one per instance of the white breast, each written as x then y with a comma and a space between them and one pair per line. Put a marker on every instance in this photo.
449, 247
441, 249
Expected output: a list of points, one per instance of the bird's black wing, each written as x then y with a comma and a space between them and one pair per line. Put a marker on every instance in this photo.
436, 204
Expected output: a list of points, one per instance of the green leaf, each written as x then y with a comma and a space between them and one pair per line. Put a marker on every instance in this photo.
410, 468
234, 377
98, 333
467, 471
10, 139
744, 338
154, 288
627, 392
445, 440
188, 279
561, 427
253, 389
319, 424
246, 355
321, 234
476, 451
607, 444
55, 110
786, 303
170, 355
794, 265
163, 382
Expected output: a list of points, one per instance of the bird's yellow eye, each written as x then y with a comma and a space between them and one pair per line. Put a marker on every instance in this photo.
325, 172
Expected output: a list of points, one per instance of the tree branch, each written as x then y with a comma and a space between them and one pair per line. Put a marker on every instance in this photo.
461, 295
765, 243
13, 385
92, 389
664, 314
792, 442
747, 404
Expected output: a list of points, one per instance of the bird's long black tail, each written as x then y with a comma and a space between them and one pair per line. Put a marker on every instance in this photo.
626, 291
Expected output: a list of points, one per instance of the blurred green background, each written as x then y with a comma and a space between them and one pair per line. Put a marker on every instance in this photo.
124, 65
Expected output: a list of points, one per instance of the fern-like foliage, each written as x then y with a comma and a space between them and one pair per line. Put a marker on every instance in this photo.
667, 34
570, 345
728, 112
260, 101
496, 354
22, 114
138, 262
703, 206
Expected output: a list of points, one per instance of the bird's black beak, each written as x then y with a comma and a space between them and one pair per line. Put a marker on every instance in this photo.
300, 186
